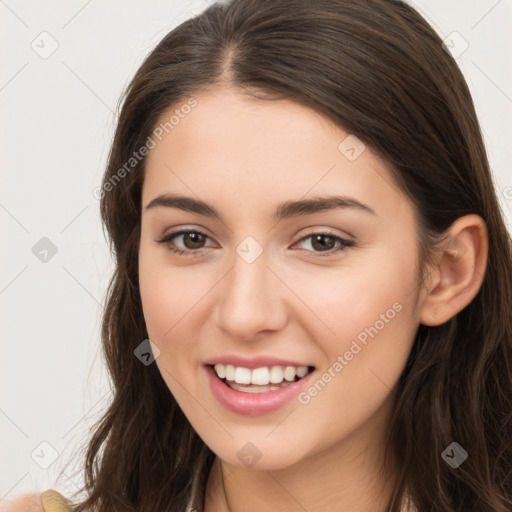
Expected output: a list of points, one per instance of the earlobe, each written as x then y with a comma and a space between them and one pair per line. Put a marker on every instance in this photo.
459, 271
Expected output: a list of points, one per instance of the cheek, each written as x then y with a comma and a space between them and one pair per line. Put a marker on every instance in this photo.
168, 299
158, 300
372, 314
163, 297
373, 302
167, 293
173, 305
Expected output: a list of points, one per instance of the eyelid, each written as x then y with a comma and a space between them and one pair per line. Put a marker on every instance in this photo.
165, 239
346, 242
186, 229
327, 231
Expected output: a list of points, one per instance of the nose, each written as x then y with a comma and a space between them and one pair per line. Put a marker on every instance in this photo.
250, 300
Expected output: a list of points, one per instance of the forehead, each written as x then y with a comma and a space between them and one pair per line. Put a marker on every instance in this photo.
237, 149
233, 124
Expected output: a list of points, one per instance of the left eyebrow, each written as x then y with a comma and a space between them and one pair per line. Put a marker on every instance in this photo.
317, 204
284, 210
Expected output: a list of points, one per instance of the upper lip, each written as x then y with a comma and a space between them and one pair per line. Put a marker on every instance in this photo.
253, 362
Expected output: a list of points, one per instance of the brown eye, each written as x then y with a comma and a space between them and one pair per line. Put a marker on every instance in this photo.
322, 242
191, 242
327, 243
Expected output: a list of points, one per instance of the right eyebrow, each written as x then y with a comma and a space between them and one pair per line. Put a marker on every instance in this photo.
284, 210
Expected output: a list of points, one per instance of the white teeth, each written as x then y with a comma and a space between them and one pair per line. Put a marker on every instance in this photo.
229, 371
276, 375
242, 375
302, 371
260, 376
289, 373
221, 370
256, 389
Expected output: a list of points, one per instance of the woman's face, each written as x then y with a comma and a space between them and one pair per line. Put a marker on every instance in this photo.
285, 276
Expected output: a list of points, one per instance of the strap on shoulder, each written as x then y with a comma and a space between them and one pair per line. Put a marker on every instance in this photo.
53, 501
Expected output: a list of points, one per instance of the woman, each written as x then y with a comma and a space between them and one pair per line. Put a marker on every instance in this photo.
305, 227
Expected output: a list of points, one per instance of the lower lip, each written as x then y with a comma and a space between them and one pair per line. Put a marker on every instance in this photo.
253, 404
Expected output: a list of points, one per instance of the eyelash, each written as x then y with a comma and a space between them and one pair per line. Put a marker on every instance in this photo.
345, 244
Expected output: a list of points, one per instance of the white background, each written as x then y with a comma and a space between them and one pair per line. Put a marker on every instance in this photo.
56, 125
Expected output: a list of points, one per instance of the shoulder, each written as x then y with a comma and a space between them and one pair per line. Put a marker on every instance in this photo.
24, 503
47, 501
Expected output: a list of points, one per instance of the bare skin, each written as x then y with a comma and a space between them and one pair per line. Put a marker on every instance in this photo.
30, 502
244, 157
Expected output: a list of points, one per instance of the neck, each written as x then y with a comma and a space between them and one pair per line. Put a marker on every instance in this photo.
343, 478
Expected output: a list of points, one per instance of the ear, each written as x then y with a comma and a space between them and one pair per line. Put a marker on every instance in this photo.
458, 272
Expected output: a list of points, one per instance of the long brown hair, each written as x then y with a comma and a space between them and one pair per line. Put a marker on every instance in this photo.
378, 70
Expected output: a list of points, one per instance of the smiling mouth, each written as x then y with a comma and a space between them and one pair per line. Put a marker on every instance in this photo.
259, 380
